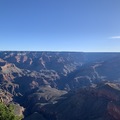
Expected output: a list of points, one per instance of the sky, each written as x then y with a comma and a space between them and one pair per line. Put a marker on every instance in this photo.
60, 25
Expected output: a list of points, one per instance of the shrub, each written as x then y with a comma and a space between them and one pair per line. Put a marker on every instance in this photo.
7, 112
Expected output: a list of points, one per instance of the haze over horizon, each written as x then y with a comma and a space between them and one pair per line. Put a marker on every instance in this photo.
62, 25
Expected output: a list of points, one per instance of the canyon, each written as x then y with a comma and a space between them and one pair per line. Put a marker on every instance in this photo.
61, 85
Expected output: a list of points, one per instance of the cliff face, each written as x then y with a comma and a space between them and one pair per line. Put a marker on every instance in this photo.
86, 104
111, 92
114, 110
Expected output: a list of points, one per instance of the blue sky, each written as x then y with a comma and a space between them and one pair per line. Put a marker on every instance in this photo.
60, 25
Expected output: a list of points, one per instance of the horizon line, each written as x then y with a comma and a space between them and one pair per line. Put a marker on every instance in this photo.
59, 51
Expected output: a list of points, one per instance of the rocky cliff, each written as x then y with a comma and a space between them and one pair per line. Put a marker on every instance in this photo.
52, 85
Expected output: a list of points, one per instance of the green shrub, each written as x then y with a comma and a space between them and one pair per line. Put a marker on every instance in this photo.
7, 112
